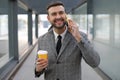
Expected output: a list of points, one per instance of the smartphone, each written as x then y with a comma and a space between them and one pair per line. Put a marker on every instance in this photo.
67, 22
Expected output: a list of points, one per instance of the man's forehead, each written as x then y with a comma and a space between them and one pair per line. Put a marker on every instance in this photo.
56, 9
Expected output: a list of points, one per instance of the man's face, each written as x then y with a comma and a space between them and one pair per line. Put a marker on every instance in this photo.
57, 16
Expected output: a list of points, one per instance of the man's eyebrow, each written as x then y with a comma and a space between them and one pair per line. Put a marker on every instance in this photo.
58, 11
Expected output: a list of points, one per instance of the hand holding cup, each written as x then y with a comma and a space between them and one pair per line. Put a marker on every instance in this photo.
42, 60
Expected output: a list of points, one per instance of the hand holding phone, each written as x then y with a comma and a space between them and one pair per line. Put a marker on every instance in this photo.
73, 29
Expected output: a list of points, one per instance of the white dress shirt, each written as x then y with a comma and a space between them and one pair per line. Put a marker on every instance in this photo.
62, 35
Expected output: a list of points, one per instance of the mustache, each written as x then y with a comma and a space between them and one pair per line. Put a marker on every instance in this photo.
59, 19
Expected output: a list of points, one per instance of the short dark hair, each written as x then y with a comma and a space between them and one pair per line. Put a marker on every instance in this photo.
54, 3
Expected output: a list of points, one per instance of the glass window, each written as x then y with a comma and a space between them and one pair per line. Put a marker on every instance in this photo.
90, 26
80, 17
102, 27
33, 28
107, 30
43, 24
4, 45
22, 33
117, 30
81, 21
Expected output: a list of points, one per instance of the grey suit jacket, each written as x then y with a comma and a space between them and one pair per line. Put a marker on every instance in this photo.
66, 65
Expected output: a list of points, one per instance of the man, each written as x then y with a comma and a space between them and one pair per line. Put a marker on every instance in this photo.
64, 59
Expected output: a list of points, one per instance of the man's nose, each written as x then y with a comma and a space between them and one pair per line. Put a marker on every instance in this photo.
58, 16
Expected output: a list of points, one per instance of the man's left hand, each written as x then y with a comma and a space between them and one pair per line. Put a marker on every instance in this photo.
73, 28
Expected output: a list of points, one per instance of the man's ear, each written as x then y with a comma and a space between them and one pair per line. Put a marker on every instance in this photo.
48, 17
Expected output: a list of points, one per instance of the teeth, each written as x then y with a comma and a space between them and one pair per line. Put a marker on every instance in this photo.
58, 21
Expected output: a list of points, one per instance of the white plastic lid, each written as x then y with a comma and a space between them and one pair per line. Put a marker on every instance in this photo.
42, 52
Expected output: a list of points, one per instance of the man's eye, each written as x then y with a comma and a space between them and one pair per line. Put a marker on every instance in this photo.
61, 12
53, 14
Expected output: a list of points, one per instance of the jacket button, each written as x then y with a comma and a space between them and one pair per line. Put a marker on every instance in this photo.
58, 62
58, 79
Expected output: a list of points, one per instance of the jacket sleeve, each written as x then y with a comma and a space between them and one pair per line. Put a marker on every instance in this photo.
38, 74
90, 56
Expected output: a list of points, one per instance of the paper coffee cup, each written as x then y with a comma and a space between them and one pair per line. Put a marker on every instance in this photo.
42, 54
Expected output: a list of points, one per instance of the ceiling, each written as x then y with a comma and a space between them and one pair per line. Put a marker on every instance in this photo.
39, 6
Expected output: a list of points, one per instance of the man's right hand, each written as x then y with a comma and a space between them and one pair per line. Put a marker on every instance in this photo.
41, 64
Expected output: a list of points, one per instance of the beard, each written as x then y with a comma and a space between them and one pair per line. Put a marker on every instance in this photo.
61, 26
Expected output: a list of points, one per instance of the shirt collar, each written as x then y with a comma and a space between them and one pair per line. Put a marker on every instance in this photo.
63, 34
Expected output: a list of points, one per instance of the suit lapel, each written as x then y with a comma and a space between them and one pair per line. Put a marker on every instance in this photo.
52, 42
